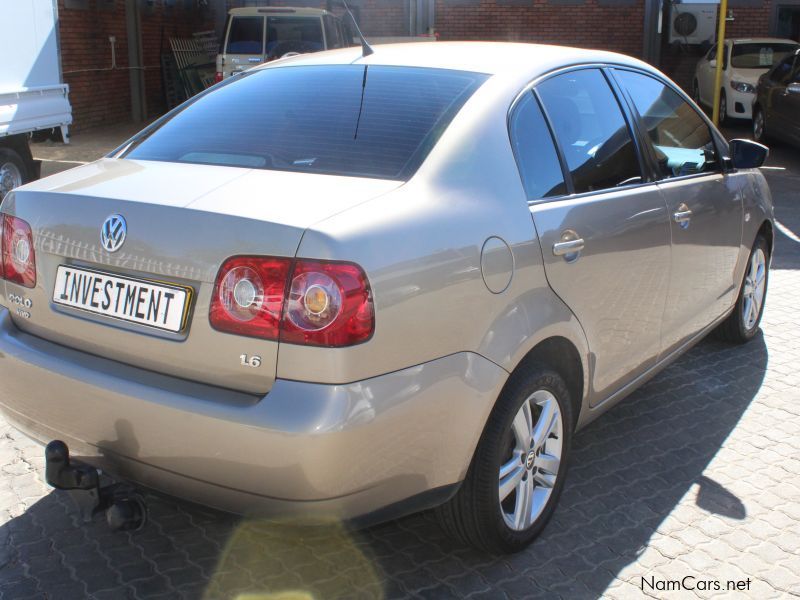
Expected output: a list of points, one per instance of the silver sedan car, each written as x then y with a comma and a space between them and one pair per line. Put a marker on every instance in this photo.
353, 287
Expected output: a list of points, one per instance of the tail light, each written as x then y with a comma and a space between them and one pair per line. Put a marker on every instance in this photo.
319, 303
19, 258
217, 77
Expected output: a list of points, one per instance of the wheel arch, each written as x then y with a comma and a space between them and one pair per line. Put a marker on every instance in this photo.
766, 229
561, 355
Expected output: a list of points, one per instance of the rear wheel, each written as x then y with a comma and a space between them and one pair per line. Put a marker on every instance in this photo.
518, 470
742, 324
759, 125
12, 171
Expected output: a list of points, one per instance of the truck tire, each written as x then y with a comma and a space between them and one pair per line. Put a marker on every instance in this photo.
13, 172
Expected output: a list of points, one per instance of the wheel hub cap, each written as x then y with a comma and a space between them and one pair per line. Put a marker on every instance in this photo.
754, 288
530, 466
10, 177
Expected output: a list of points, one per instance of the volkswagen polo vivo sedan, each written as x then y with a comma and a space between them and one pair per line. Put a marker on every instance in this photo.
355, 287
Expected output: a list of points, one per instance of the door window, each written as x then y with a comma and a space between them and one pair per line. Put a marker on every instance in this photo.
246, 35
332, 33
535, 152
680, 137
588, 123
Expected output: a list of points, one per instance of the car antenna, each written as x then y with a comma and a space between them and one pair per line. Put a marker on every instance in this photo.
366, 49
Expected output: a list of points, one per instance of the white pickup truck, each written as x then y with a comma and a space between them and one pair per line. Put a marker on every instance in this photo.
32, 96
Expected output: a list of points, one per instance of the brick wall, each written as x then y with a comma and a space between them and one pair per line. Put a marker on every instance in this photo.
584, 23
101, 95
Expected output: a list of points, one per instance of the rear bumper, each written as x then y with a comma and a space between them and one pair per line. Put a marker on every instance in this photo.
331, 451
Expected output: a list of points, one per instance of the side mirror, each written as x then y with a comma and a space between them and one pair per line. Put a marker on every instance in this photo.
793, 88
747, 154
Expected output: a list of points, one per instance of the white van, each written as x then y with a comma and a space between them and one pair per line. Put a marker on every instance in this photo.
257, 35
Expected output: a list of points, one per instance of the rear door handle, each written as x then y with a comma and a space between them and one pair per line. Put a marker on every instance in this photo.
568, 247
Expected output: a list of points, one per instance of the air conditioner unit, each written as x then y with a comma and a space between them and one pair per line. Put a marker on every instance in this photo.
693, 23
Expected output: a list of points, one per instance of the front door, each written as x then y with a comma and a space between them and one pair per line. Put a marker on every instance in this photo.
703, 202
606, 244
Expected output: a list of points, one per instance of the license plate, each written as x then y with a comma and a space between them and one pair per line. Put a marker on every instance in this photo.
139, 301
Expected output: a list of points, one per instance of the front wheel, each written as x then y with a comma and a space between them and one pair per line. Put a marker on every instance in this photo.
723, 108
518, 471
742, 324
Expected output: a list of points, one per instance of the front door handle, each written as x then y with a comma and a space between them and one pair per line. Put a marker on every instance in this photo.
682, 216
568, 247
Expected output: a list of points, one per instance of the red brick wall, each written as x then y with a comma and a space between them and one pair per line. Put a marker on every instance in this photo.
589, 25
101, 96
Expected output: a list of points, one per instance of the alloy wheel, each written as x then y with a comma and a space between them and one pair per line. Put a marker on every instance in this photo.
10, 178
758, 125
723, 108
531, 464
754, 288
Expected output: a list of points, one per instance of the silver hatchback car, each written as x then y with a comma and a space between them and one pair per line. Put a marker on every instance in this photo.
355, 287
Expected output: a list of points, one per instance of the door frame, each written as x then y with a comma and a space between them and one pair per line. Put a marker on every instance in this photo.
773, 19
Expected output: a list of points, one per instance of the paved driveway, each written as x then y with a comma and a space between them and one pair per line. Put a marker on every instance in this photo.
696, 476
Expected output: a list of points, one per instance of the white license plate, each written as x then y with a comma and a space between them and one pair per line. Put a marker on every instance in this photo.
132, 300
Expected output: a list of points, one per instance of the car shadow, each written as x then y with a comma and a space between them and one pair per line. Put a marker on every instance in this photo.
630, 469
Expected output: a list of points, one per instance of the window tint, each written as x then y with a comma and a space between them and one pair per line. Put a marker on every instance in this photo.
332, 32
293, 34
591, 130
681, 138
246, 35
759, 56
337, 119
536, 155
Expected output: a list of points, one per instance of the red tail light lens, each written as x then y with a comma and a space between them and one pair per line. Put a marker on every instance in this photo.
248, 296
329, 304
217, 77
323, 304
19, 258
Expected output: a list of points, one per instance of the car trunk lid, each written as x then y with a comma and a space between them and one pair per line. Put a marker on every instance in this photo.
183, 221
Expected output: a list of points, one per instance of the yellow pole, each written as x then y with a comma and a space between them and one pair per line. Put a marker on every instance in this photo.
723, 13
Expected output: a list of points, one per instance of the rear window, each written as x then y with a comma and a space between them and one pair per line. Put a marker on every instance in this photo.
760, 56
246, 35
336, 119
293, 34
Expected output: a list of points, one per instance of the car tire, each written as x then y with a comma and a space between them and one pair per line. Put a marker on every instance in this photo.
13, 171
696, 92
742, 324
533, 480
723, 108
759, 125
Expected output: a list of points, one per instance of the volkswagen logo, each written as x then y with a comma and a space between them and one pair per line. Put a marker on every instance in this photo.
112, 233
530, 460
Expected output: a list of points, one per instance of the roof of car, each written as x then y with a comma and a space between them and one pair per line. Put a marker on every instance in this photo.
482, 57
257, 11
765, 40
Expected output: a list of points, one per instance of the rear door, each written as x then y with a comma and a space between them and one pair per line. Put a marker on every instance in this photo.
604, 232
704, 202
244, 45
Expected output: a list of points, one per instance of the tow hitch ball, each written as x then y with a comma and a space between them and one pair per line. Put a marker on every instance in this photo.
125, 509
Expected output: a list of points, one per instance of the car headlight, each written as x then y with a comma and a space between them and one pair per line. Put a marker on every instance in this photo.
745, 88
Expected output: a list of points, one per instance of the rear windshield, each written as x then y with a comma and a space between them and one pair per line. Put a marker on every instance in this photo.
246, 35
760, 56
296, 34
337, 119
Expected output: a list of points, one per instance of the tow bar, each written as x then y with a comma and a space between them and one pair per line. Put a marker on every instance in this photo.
125, 509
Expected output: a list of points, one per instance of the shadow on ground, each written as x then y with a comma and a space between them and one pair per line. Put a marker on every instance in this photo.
629, 470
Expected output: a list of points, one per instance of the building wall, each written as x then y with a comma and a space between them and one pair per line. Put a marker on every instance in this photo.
101, 95
606, 24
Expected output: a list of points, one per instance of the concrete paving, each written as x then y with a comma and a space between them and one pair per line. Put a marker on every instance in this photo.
694, 479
